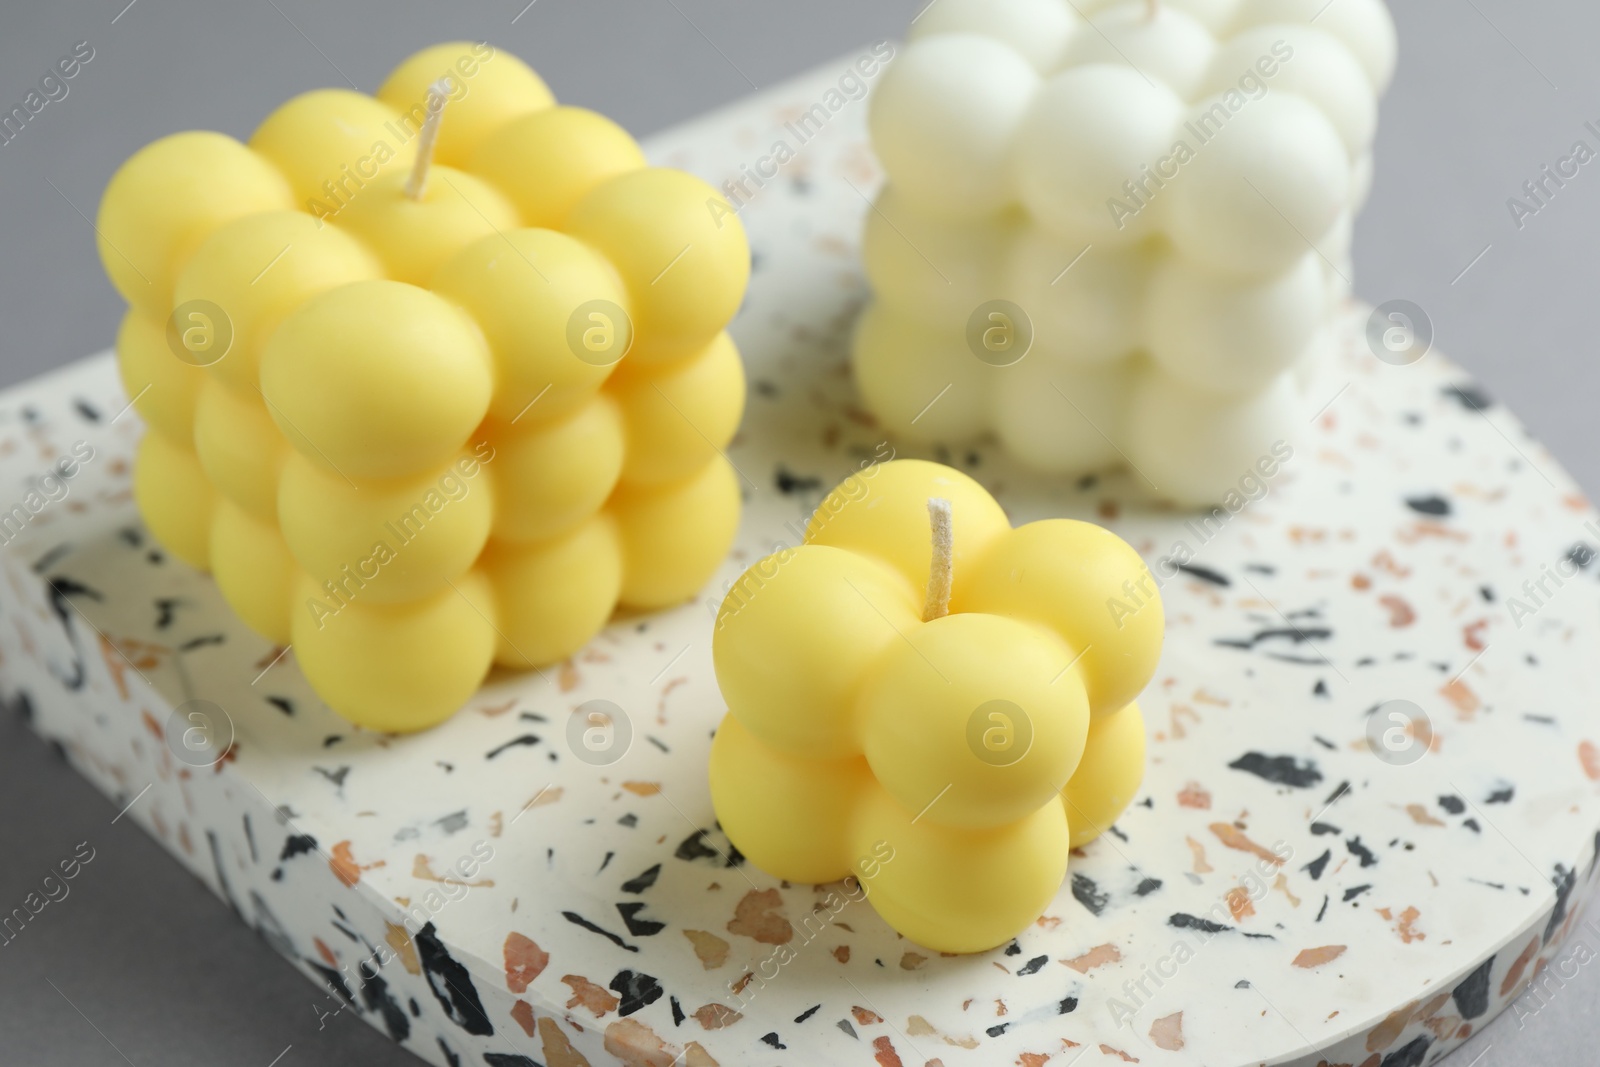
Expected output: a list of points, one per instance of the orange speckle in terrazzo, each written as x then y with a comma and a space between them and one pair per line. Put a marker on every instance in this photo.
1098, 956
716, 1016
1514, 975
525, 961
1237, 839
1109, 1051
522, 1015
345, 867
1194, 795
1316, 957
757, 917
1589, 756
842, 953
885, 1055
709, 949
642, 789
636, 1045
1199, 851
912, 960
1401, 614
1239, 905
584, 992
1167, 1032
865, 1016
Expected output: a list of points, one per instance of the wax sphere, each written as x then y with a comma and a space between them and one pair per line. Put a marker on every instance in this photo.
166, 199
554, 595
1227, 334
174, 498
935, 270
1080, 316
1037, 29
1253, 197
1198, 445
390, 541
1321, 69
547, 161
883, 513
240, 449
758, 789
551, 477
164, 388
1364, 26
680, 249
971, 718
396, 668
1006, 876
1059, 416
673, 536
414, 238
690, 411
943, 120
329, 143
377, 380
487, 89
795, 634
253, 570
923, 384
1091, 130
535, 293
1171, 48
1065, 574
257, 269
1108, 775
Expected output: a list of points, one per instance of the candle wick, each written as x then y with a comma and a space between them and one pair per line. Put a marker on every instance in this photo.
942, 567
438, 95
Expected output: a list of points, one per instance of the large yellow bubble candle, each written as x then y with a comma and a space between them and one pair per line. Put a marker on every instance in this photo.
433, 380
933, 701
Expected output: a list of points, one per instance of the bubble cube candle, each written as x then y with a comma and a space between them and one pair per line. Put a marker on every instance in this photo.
941, 705
418, 420
1114, 237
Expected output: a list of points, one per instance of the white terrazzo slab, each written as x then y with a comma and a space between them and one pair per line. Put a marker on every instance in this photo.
1380, 911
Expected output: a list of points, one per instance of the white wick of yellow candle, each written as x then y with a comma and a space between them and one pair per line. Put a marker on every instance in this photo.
943, 564
438, 95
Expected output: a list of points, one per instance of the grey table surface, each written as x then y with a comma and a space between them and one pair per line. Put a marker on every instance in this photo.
145, 966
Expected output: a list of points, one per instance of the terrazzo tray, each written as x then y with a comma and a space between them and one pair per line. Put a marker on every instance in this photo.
1304, 878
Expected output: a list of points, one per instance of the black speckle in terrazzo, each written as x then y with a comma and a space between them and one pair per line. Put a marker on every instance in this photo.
1564, 880
630, 820
166, 610
297, 845
450, 1058
1067, 1006
610, 855
452, 823
1320, 828
1324, 909
578, 920
336, 776
789, 483
85, 410
1013, 949
375, 994
1184, 921
1296, 635
1453, 804
677, 1011
1472, 824
1280, 770
629, 910
451, 983
1437, 506
997, 1029
333, 981
271, 928
1032, 966
1355, 891
1146, 887
331, 740
508, 1059
1502, 795
1320, 689
1469, 395
1087, 893
202, 641
1472, 994
772, 1039
694, 847
844, 1024
637, 990
1361, 852
1580, 556
1411, 1055
1318, 865
808, 1013
1325, 743
283, 704
1205, 574
642, 881
656, 741
525, 739
1243, 983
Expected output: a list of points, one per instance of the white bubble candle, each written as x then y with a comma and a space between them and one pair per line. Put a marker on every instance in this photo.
1115, 232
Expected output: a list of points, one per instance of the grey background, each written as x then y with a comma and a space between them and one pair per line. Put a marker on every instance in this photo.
147, 966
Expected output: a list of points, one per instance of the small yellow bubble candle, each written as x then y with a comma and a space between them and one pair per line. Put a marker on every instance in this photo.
937, 703
433, 380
